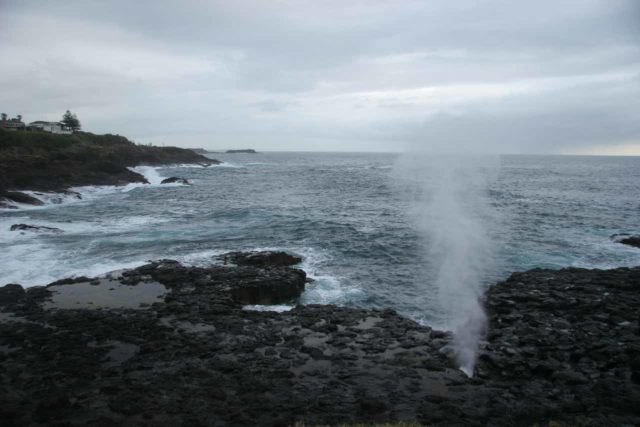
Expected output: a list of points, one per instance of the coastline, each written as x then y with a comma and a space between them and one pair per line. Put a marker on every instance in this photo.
172, 343
55, 165
562, 346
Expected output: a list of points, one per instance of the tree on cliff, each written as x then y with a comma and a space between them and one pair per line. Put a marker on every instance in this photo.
71, 121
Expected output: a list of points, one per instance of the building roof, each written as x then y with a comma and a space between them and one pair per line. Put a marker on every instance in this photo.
41, 122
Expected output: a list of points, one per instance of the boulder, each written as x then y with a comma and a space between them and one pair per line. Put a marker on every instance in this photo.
175, 180
11, 293
19, 197
272, 286
261, 259
627, 239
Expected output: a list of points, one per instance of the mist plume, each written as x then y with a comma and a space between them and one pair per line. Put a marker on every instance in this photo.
449, 204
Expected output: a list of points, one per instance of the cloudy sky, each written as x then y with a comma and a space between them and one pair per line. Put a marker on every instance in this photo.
558, 76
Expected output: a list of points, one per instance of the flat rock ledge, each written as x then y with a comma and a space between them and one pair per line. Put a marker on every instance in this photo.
562, 346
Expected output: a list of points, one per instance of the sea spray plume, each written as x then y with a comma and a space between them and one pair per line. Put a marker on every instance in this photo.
450, 210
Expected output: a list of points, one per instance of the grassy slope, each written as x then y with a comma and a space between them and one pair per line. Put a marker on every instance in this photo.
44, 161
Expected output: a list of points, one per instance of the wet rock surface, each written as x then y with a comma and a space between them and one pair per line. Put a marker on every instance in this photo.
20, 197
627, 239
261, 259
566, 345
34, 228
562, 345
175, 180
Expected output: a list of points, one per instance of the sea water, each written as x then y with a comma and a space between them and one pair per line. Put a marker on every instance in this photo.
345, 213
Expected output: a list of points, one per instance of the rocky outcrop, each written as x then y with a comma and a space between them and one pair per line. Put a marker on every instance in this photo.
627, 239
11, 294
200, 150
35, 228
242, 151
175, 180
562, 347
19, 197
47, 162
242, 284
261, 259
566, 345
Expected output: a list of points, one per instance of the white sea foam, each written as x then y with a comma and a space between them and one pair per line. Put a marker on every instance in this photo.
37, 264
228, 165
324, 288
37, 257
187, 165
153, 176
100, 226
202, 258
30, 261
150, 173
49, 199
84, 194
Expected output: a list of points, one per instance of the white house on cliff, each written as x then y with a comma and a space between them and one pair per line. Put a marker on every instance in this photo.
53, 127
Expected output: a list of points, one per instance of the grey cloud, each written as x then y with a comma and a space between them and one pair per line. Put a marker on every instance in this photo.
329, 75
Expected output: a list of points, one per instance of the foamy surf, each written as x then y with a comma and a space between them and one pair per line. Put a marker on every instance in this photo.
187, 166
48, 200
228, 165
38, 257
323, 289
89, 193
68, 228
37, 264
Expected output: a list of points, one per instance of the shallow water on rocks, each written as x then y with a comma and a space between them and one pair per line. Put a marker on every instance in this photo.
105, 293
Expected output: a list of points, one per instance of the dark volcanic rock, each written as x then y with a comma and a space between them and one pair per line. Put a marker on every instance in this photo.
19, 197
261, 259
272, 286
242, 151
27, 227
243, 284
562, 347
47, 162
11, 293
175, 180
627, 239
565, 343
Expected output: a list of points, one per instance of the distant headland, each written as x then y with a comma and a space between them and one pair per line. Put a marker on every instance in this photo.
245, 151
54, 162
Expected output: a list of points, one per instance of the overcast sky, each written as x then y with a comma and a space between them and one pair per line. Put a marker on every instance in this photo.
559, 76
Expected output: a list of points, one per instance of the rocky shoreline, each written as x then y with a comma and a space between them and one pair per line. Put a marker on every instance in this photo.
39, 161
169, 344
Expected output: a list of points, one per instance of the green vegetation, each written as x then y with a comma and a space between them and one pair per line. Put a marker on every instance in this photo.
50, 142
53, 162
71, 121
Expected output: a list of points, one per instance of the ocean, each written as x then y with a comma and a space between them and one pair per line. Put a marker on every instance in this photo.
348, 214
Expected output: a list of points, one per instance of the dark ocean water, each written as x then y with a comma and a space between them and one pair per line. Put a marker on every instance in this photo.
347, 214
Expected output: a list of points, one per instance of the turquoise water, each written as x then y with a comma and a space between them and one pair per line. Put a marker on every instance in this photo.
347, 214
